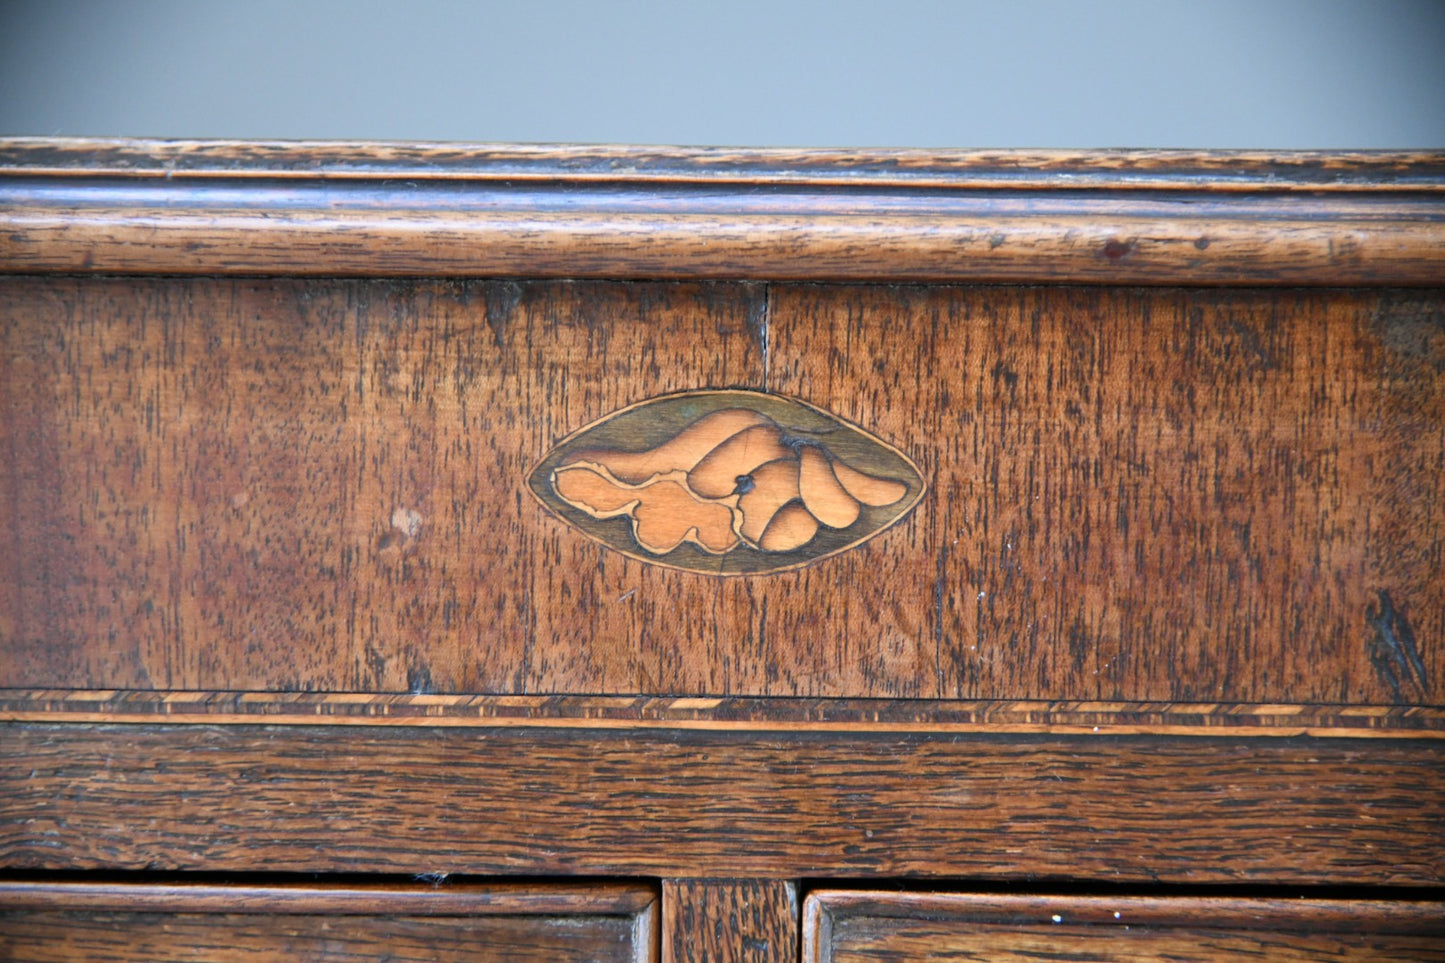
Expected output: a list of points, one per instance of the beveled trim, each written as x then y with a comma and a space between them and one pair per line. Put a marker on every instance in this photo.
580, 897
969, 912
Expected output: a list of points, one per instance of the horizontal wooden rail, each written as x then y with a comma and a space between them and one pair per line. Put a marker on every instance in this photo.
673, 803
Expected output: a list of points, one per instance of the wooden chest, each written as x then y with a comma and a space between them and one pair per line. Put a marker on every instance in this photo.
418, 552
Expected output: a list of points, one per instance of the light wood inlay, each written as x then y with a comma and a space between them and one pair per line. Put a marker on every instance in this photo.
713, 482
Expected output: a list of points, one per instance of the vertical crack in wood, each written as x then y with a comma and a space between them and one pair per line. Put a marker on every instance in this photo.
760, 319
938, 594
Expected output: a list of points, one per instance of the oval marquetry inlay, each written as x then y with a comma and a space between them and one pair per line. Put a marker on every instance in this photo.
727, 482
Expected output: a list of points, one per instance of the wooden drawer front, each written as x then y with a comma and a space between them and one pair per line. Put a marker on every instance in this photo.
218, 923
843, 926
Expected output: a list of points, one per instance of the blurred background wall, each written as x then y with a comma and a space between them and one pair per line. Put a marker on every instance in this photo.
969, 73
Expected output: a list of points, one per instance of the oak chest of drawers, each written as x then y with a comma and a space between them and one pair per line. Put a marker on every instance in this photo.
572, 553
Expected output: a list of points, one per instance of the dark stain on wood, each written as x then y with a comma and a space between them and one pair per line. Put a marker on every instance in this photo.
1393, 652
1116, 249
502, 300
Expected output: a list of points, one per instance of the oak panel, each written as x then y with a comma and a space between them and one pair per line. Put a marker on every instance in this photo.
851, 927
1136, 495
679, 804
277, 485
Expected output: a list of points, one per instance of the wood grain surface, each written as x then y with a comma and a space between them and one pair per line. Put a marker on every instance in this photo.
856, 926
268, 414
1136, 495
729, 921
395, 210
211, 487
160, 922
1146, 494
673, 804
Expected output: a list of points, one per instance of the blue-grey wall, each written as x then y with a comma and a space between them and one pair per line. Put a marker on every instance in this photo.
985, 73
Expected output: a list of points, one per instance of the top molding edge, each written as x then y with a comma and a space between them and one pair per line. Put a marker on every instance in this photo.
419, 210
1268, 171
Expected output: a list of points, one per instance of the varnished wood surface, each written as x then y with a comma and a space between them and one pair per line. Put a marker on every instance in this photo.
703, 804
1135, 495
1158, 522
936, 717
1148, 169
279, 486
843, 926
729, 921
394, 210
1267, 243
1209, 496
160, 922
